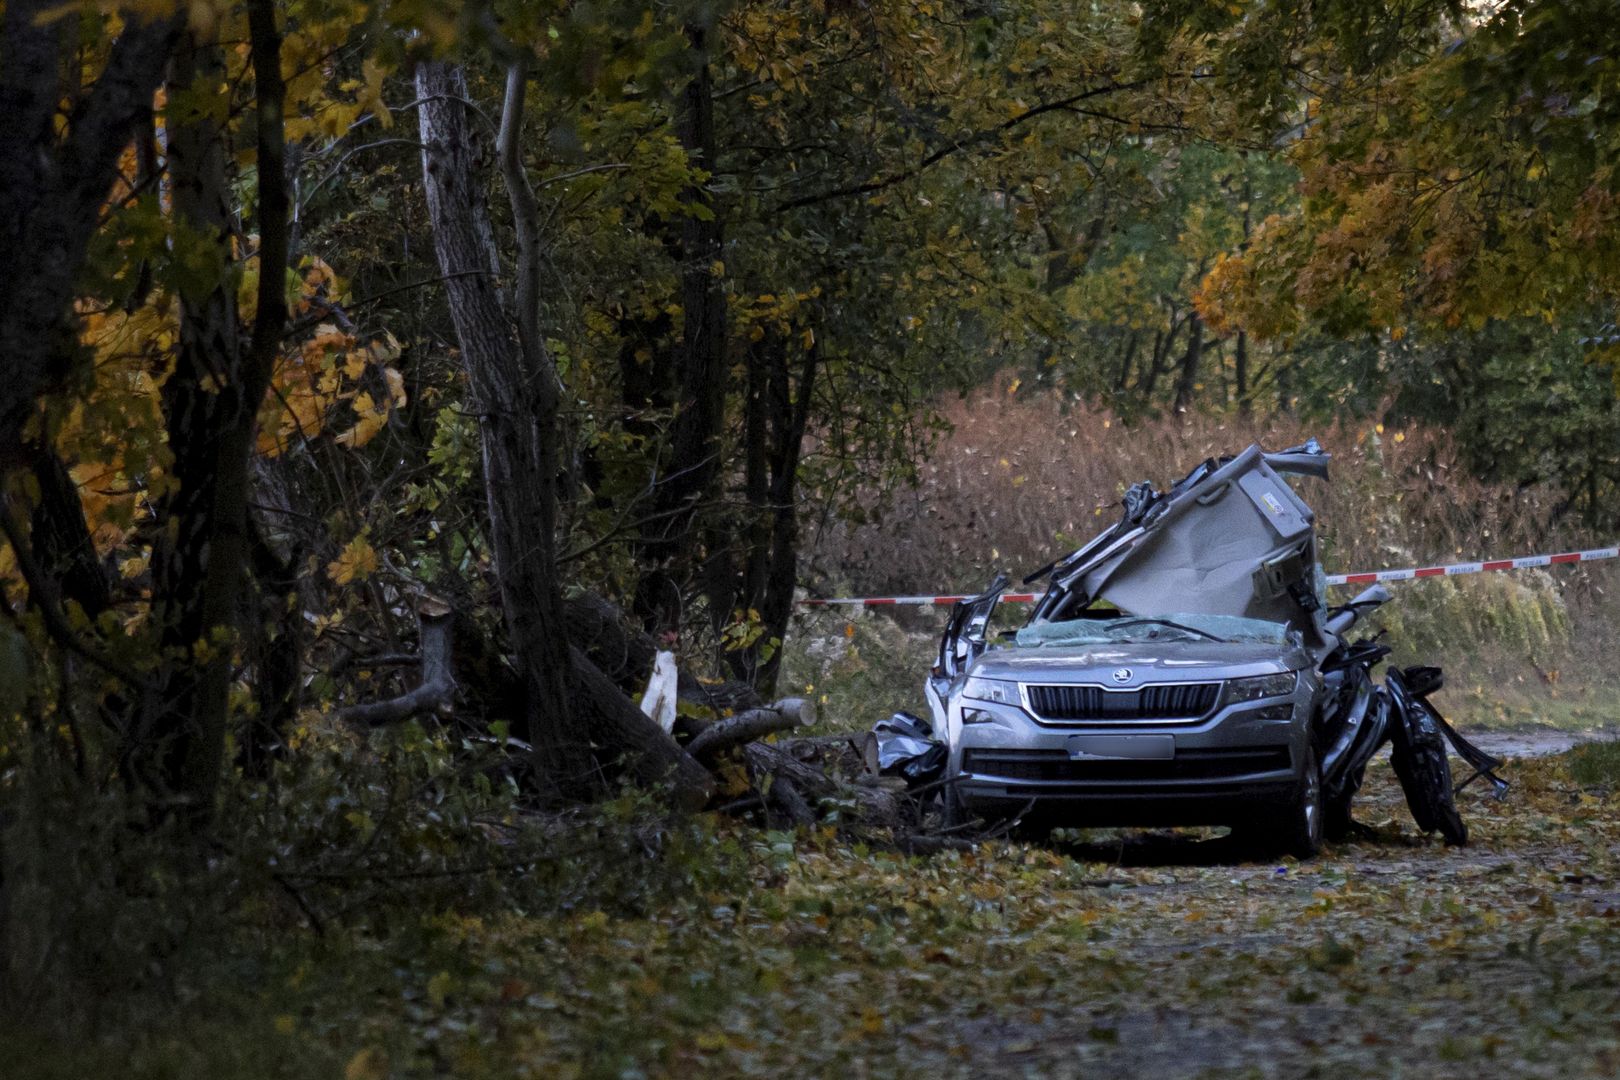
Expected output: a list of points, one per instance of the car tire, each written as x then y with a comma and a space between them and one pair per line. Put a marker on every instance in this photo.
1419, 759
1336, 820
1303, 818
1301, 836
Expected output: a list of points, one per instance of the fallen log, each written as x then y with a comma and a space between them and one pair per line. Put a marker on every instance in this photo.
651, 757
764, 761
785, 797
437, 689
745, 727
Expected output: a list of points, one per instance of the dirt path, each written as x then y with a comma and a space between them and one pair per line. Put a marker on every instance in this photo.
1390, 956
1537, 742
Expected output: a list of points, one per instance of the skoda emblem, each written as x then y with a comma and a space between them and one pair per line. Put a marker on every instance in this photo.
1122, 675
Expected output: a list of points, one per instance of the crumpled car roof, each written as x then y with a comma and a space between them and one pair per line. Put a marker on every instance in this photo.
1231, 538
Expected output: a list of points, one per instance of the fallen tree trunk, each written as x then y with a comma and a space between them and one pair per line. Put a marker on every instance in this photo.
650, 755
437, 689
768, 765
747, 726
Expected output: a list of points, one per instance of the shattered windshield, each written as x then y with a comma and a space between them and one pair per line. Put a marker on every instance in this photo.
1180, 626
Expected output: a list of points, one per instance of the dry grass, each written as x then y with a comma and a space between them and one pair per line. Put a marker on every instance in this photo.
1025, 477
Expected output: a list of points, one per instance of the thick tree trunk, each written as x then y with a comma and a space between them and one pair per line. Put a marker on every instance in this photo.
513, 387
211, 404
54, 181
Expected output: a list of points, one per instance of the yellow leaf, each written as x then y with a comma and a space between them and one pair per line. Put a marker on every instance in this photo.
437, 988
357, 562
371, 418
369, 1064
396, 387
370, 96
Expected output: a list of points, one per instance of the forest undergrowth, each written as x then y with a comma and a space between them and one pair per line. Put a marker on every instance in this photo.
749, 953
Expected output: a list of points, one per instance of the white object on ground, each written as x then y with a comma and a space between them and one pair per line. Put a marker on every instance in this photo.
659, 700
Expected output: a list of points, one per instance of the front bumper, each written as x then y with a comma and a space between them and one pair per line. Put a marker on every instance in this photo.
1239, 761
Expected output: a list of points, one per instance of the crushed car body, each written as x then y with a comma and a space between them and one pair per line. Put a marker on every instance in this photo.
1185, 668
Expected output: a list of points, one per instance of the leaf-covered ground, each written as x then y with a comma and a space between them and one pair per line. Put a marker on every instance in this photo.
1142, 954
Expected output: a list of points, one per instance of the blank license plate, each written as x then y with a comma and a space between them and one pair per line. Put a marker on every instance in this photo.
1122, 747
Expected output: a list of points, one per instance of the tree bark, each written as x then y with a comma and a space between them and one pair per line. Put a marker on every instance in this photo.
745, 727
514, 391
776, 415
437, 688
1187, 384
1124, 378
210, 407
693, 468
54, 182
1242, 372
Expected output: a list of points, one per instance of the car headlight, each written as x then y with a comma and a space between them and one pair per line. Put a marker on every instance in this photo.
996, 690
1260, 686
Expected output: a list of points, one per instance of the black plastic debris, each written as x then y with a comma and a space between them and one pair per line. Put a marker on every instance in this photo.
906, 748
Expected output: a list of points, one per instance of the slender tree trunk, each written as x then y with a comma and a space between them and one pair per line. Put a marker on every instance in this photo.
1242, 361
779, 413
1187, 384
693, 468
1124, 378
277, 651
1161, 356
1063, 264
61, 538
776, 603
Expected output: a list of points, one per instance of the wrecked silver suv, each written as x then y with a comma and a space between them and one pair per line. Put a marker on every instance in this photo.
1183, 668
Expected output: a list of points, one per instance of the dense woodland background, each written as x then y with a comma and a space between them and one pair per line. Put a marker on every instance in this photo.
386, 382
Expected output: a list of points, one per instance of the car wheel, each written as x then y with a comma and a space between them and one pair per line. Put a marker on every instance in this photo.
1336, 819
1307, 811
1418, 756
1337, 824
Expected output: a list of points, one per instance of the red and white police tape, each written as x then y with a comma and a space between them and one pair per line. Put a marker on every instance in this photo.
1371, 576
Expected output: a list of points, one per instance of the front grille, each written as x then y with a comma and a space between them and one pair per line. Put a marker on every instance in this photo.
1055, 766
1093, 704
